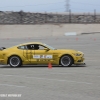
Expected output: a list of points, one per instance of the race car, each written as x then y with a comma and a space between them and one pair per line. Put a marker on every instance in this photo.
37, 53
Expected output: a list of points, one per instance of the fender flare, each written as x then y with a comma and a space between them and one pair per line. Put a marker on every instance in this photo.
14, 55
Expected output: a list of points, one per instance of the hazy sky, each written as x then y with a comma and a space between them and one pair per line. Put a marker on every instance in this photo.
49, 5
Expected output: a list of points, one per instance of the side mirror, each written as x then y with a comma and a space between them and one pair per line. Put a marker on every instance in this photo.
47, 49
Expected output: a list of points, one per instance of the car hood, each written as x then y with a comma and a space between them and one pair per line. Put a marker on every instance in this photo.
66, 50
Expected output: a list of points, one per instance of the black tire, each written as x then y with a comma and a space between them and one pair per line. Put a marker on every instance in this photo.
15, 61
66, 60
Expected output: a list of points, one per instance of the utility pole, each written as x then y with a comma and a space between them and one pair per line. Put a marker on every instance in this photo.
67, 5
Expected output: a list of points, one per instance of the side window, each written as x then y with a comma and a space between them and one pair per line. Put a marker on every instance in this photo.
30, 47
41, 47
21, 47
34, 47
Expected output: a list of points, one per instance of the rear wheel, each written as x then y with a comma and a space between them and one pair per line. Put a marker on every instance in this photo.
15, 61
66, 60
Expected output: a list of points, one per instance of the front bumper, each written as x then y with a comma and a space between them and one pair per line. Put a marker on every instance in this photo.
79, 60
2, 61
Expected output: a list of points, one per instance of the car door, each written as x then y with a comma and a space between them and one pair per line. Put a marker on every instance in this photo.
42, 56
28, 53
36, 54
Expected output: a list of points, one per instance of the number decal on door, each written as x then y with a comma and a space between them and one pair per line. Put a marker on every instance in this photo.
43, 56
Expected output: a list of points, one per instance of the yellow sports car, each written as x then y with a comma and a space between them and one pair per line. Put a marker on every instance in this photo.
39, 53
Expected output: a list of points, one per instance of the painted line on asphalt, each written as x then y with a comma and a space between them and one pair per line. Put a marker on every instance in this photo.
59, 80
12, 85
91, 60
48, 79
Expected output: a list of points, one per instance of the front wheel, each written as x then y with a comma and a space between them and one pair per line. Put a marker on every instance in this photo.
15, 61
66, 60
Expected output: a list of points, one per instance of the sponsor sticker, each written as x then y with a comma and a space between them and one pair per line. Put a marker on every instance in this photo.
49, 56
42, 56
36, 56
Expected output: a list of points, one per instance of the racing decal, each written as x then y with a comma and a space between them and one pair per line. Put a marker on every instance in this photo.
42, 56
36, 56
49, 56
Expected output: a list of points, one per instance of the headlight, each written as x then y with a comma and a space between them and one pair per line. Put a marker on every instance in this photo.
76, 54
81, 53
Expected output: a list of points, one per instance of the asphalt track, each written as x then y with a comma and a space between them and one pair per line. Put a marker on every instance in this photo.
58, 83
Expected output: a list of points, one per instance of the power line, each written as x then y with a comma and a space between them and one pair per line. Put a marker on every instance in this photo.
67, 5
80, 9
75, 8
86, 4
33, 5
55, 9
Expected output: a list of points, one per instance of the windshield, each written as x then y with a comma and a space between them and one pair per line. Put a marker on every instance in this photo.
49, 46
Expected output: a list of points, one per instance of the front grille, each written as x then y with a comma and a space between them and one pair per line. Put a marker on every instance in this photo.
79, 60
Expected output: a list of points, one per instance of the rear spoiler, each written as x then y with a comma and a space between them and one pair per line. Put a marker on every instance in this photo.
2, 48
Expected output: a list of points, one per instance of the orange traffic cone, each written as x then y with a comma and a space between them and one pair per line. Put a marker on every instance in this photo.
49, 65
76, 39
94, 39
